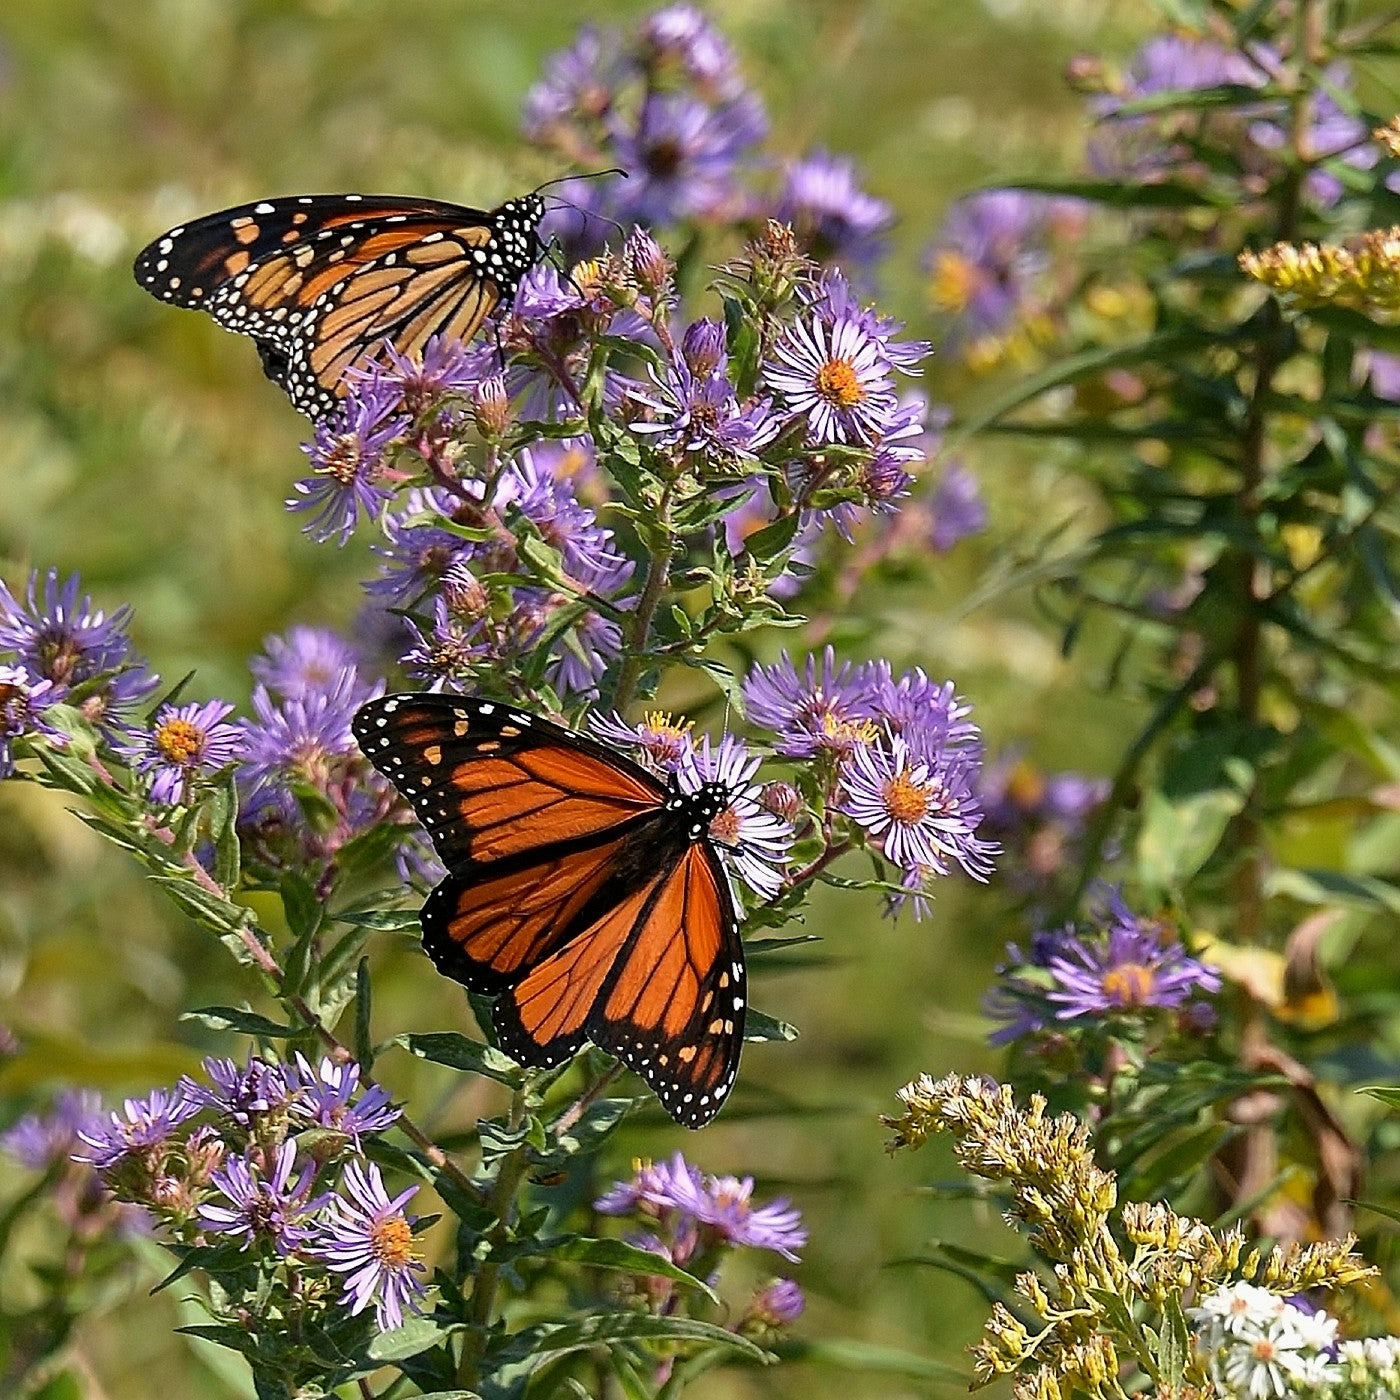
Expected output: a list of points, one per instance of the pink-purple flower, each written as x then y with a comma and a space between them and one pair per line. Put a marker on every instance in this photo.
834, 217
367, 1236
23, 701
262, 1201
139, 1125
184, 744
825, 708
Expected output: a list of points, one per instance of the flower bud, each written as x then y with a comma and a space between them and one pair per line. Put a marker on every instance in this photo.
703, 347
491, 407
647, 263
783, 800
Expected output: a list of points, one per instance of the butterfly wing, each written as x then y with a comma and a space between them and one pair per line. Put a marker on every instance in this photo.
320, 282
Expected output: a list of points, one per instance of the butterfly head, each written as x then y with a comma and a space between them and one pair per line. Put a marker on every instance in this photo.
702, 811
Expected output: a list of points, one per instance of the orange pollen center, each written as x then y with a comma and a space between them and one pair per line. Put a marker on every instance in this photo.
179, 741
1264, 1349
953, 282
849, 731
1129, 985
905, 800
343, 460
836, 382
724, 828
392, 1241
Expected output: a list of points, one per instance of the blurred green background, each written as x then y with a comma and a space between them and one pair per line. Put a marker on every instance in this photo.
142, 446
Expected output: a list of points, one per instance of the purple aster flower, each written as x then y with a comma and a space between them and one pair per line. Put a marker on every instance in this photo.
588, 550
306, 660
681, 36
23, 701
450, 650
654, 1188
836, 219
986, 259
43, 1140
824, 709
660, 740
184, 743
681, 157
582, 654
419, 550
301, 738
751, 838
836, 378
835, 300
928, 714
445, 368
370, 1239
59, 637
324, 1094
257, 1091
701, 413
142, 1124
776, 1304
957, 508
259, 1204
347, 459
1131, 963
725, 1205
923, 813
579, 84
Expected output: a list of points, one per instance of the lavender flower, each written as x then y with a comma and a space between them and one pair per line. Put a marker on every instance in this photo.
835, 378
448, 651
22, 701
304, 661
347, 459
245, 1096
835, 301
40, 1141
752, 839
654, 1189
324, 1093
370, 1239
1134, 963
446, 367
142, 1124
579, 84
661, 741
956, 508
776, 1304
583, 653
680, 36
274, 1205
825, 709
701, 413
60, 638
184, 743
303, 738
928, 714
835, 219
923, 814
725, 1205
419, 552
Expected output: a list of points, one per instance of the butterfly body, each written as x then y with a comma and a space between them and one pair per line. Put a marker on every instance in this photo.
321, 282
584, 893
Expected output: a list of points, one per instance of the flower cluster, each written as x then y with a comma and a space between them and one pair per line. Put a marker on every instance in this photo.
1039, 817
693, 1221
1364, 274
1067, 1202
264, 1155
668, 105
1120, 966
1257, 1343
55, 646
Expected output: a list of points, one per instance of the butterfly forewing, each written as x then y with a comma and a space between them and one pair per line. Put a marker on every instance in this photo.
582, 893
321, 282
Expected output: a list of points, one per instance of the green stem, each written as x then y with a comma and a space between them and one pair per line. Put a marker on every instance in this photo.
639, 634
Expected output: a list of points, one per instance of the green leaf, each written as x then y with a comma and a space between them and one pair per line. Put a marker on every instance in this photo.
624, 1258
853, 1355
1124, 194
598, 1329
416, 1335
1175, 1343
770, 542
759, 1026
364, 992
461, 1053
231, 1018
381, 920
212, 1257
760, 946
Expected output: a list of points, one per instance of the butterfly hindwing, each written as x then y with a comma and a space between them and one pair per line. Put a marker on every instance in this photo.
321, 282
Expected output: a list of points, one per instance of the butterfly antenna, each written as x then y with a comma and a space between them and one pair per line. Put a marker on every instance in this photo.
586, 175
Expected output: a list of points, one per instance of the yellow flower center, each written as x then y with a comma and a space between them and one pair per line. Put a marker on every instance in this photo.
846, 734
953, 282
837, 383
1025, 786
342, 462
905, 800
392, 1242
1265, 1350
180, 741
1129, 984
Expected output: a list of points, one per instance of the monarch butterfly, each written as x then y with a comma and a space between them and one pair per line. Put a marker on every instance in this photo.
586, 895
320, 282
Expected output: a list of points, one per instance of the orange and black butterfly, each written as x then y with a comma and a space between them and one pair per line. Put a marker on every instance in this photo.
321, 282
584, 893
